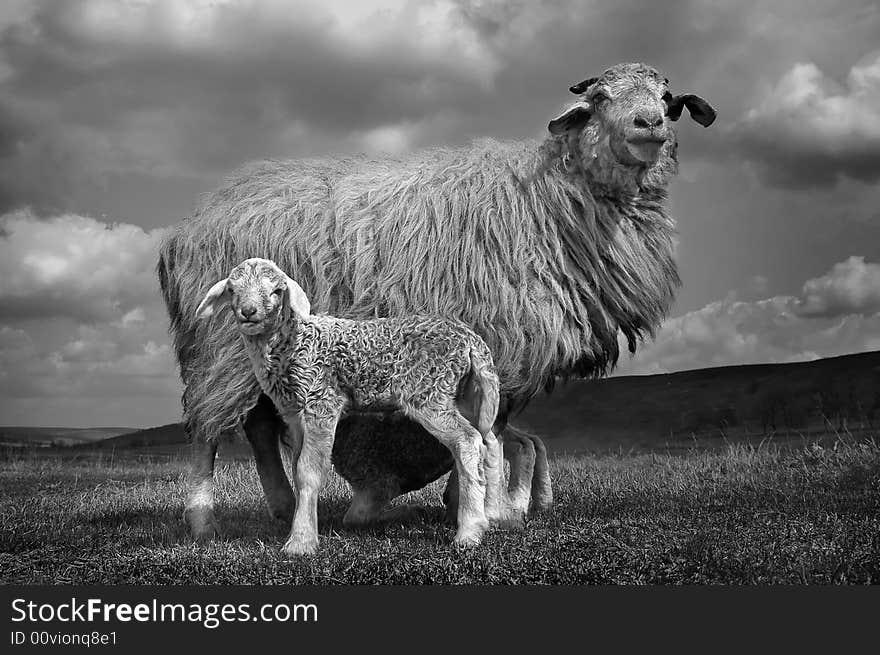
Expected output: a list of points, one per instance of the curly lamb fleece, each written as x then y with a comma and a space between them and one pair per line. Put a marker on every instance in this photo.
547, 249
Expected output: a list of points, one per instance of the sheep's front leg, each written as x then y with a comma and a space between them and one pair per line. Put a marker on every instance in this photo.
263, 429
318, 431
199, 511
456, 433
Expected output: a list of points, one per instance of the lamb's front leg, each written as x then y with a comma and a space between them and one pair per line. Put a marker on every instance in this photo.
318, 430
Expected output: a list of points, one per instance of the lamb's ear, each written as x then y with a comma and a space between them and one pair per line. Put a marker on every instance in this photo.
573, 118
296, 299
216, 296
700, 110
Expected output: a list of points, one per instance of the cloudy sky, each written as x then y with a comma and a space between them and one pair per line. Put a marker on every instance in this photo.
115, 116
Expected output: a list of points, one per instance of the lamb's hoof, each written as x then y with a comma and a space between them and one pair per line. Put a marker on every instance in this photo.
300, 547
203, 525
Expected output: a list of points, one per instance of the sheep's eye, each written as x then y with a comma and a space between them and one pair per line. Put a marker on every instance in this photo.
277, 292
667, 97
599, 98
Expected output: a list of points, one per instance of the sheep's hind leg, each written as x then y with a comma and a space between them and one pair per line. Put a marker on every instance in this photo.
263, 428
499, 511
199, 510
520, 453
541, 487
456, 433
311, 471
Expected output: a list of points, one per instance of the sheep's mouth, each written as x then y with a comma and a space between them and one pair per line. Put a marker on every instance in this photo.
645, 149
250, 327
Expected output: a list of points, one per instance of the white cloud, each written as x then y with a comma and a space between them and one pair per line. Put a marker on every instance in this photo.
75, 266
82, 323
850, 287
836, 314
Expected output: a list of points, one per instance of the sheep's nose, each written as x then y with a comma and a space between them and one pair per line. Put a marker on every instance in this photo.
646, 121
248, 310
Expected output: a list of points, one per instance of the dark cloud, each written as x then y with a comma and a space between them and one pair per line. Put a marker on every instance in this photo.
808, 130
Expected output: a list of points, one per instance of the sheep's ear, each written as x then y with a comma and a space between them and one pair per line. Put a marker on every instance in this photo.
580, 87
573, 118
296, 299
216, 296
700, 110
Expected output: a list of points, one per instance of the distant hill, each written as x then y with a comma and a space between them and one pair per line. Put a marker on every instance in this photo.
164, 435
735, 403
28, 436
732, 402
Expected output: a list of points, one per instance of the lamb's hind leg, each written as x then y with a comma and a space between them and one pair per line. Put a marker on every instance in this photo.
263, 428
456, 433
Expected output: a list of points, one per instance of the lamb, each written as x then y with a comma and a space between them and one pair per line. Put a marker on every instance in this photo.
548, 249
316, 368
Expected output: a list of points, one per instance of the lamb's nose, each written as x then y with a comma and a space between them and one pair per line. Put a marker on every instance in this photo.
248, 311
646, 121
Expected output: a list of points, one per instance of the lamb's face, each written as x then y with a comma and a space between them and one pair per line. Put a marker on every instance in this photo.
256, 288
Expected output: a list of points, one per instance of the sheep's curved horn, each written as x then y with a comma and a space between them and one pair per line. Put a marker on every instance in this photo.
580, 87
700, 110
216, 296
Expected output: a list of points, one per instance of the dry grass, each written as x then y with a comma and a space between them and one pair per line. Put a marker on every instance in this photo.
742, 515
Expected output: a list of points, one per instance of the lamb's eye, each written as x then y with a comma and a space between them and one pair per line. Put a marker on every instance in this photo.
277, 292
599, 98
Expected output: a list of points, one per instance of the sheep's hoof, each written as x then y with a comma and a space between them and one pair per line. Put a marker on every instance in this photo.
469, 538
203, 525
300, 546
541, 504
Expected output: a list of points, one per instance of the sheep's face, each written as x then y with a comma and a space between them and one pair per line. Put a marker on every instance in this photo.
622, 124
260, 295
628, 106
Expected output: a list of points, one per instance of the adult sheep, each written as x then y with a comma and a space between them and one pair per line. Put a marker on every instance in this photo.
547, 249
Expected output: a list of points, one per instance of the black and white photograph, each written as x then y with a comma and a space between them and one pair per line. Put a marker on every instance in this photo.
439, 292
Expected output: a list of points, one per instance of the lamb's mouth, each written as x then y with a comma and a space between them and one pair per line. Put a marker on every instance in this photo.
645, 149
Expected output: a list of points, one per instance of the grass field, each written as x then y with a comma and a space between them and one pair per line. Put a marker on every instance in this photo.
808, 514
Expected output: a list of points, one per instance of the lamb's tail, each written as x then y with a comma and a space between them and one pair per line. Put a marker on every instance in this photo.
487, 381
